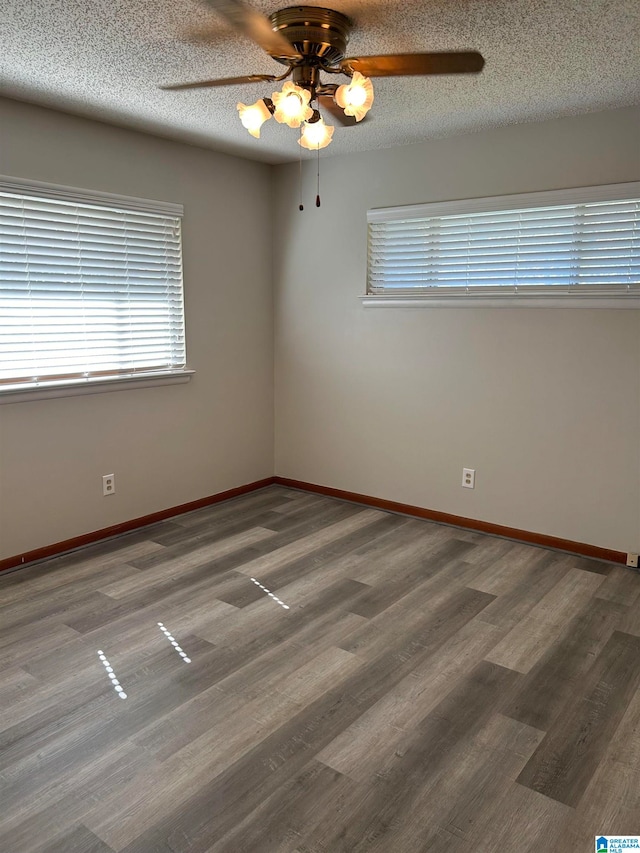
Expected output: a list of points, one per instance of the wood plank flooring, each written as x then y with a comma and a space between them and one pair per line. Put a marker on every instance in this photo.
356, 681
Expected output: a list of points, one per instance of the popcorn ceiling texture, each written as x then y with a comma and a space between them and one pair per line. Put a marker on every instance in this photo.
105, 58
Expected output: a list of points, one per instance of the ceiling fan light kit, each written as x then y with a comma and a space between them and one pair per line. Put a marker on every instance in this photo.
311, 40
319, 37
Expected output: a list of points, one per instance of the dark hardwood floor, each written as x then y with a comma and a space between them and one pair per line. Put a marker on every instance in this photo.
382, 684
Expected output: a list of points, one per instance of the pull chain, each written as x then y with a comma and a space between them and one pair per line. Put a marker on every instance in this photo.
301, 205
318, 181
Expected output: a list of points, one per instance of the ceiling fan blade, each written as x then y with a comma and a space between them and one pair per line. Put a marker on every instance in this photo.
405, 64
255, 26
221, 81
328, 104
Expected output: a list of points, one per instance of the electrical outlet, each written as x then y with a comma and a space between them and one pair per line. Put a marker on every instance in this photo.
468, 478
632, 561
108, 484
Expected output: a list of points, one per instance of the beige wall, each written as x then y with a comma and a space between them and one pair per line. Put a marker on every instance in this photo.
166, 445
544, 403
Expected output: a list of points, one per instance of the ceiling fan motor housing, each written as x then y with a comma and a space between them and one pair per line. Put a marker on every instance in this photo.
319, 35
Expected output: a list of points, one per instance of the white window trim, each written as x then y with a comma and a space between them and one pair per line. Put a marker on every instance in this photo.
56, 191
93, 385
548, 299
52, 390
424, 300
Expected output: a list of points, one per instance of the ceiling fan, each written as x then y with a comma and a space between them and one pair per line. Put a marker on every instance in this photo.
310, 41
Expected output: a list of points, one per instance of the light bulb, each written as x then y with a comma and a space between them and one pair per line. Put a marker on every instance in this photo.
292, 105
356, 97
316, 135
254, 116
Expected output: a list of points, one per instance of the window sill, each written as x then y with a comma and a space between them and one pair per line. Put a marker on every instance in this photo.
51, 390
480, 301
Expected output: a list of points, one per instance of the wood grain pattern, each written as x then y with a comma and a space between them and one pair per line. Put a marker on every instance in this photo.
540, 628
569, 755
559, 673
613, 794
427, 689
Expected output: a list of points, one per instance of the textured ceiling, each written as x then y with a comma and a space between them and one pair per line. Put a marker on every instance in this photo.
105, 58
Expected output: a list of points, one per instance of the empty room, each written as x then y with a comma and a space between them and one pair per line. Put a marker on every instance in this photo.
319, 426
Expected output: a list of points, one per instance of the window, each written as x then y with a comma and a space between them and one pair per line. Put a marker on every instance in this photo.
90, 288
573, 244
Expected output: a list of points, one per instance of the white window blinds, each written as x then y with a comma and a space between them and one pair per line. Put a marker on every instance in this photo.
89, 286
574, 242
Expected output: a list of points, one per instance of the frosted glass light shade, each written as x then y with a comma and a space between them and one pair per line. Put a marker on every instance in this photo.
316, 135
292, 105
254, 116
356, 97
